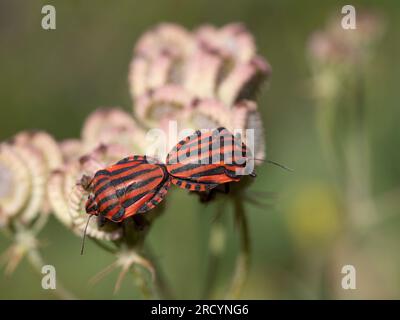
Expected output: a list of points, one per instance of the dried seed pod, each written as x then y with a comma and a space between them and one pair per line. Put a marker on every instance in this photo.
243, 81
137, 77
111, 126
71, 149
49, 150
232, 40
44, 143
209, 114
15, 182
57, 196
147, 74
244, 115
166, 103
35, 163
202, 72
158, 58
165, 37
209, 63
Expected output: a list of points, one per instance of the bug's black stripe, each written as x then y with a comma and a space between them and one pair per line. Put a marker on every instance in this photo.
186, 167
229, 157
102, 173
122, 170
102, 189
195, 142
159, 194
214, 172
139, 159
222, 146
181, 182
107, 198
132, 200
109, 208
116, 217
202, 137
205, 149
101, 180
195, 145
140, 184
132, 176
211, 172
178, 182
125, 160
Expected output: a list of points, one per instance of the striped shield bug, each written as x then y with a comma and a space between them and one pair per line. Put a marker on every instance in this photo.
204, 160
132, 185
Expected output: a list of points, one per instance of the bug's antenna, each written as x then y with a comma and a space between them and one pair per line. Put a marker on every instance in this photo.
278, 165
84, 235
274, 163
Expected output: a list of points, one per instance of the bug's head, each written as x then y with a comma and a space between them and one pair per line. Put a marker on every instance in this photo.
91, 206
86, 182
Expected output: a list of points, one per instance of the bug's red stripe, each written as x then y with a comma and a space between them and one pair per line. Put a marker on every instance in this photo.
155, 181
130, 211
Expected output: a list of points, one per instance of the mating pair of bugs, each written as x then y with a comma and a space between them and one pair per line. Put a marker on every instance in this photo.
137, 184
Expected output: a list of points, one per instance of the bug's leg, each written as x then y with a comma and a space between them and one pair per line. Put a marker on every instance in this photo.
101, 220
140, 221
207, 196
224, 188
227, 188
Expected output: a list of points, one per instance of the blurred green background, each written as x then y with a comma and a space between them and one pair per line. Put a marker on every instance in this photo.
53, 79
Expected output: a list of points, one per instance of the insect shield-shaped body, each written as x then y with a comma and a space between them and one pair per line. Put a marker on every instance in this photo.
132, 185
204, 160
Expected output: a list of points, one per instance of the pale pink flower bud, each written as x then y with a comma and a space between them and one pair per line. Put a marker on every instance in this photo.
243, 81
112, 126
210, 114
14, 183
232, 40
202, 72
157, 107
244, 115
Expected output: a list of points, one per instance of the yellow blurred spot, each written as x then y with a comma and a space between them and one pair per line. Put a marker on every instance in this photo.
313, 216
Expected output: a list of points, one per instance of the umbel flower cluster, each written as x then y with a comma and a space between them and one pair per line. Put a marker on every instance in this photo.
202, 79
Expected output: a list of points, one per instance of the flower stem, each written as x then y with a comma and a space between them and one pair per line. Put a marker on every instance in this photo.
161, 285
216, 246
243, 259
357, 160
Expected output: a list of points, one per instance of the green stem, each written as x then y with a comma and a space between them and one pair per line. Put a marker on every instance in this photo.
216, 246
357, 159
243, 259
161, 285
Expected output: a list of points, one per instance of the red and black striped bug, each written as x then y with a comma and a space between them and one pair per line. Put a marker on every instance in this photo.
132, 185
204, 160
